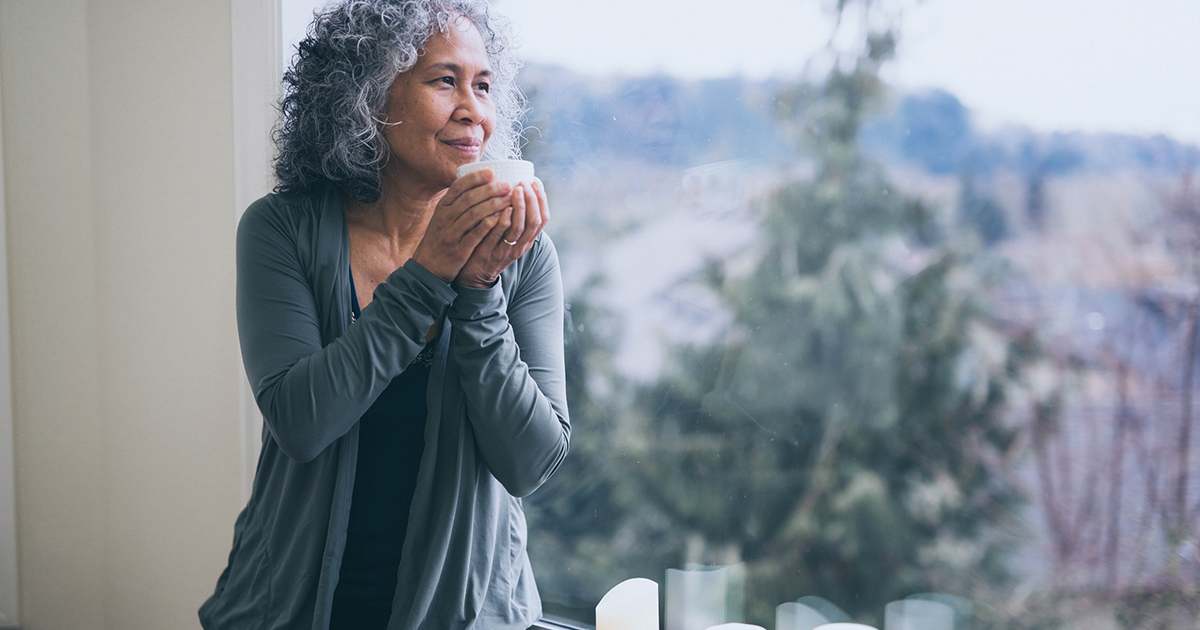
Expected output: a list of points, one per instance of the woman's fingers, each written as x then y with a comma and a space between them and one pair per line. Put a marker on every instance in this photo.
464, 195
543, 203
487, 258
534, 221
465, 183
490, 225
519, 208
511, 234
473, 226
491, 242
470, 219
479, 194
461, 209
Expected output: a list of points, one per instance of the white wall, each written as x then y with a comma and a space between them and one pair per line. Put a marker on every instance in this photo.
119, 193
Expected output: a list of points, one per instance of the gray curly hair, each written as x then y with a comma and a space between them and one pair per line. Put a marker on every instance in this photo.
336, 90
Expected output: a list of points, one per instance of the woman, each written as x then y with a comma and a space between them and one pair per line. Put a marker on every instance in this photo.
402, 332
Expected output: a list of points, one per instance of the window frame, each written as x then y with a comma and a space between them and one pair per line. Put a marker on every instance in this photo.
9, 587
257, 71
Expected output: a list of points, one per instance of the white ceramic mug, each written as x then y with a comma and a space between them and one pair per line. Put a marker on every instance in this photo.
511, 171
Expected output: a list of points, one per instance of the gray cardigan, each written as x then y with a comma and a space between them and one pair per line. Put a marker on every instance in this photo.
497, 425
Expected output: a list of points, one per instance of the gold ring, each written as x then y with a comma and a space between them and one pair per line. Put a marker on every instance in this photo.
507, 242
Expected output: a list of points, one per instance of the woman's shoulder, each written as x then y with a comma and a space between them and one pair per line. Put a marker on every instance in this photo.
286, 205
285, 212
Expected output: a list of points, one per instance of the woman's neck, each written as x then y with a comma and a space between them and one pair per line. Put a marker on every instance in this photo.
397, 219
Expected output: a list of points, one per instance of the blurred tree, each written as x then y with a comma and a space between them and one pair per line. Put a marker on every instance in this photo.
835, 441
980, 212
841, 439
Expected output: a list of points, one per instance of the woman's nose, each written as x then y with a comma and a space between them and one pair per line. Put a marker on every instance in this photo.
469, 108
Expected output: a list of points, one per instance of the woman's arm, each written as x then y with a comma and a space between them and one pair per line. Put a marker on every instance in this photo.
511, 359
311, 395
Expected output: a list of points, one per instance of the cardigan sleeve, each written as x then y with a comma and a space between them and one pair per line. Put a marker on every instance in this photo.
310, 394
511, 359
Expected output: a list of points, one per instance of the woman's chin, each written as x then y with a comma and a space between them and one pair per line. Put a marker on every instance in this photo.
470, 159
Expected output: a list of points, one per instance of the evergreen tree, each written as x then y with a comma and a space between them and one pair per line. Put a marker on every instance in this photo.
836, 439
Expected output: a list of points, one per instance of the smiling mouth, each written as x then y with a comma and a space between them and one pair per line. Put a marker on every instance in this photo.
467, 147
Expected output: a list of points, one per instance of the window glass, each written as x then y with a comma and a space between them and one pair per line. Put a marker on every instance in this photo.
838, 340
295, 16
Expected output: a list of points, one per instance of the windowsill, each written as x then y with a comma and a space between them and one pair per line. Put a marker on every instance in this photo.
558, 623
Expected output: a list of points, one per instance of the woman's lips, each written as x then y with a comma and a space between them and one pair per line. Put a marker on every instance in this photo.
467, 146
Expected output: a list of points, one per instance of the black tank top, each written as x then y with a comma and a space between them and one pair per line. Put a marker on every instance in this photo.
390, 443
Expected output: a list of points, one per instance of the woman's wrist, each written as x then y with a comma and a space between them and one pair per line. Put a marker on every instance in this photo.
482, 285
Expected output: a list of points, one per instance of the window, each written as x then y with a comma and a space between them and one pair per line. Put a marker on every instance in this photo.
836, 337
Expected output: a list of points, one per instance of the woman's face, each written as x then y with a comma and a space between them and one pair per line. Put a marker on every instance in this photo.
440, 113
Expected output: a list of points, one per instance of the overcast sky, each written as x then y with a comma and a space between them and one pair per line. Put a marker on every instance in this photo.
1091, 65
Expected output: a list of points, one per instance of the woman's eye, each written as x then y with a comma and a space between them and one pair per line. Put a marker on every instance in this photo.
484, 87
447, 80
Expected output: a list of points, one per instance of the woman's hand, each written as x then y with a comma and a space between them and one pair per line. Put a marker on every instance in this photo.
465, 216
509, 239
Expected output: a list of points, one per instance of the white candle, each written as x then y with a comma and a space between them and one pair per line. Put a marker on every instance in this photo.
630, 605
797, 616
737, 626
845, 626
702, 597
917, 614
